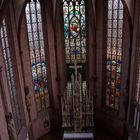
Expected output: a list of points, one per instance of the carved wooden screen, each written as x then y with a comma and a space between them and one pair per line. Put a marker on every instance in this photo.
114, 53
6, 50
37, 54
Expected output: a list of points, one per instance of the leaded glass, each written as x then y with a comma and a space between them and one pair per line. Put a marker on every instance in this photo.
115, 23
114, 53
37, 54
74, 30
5, 44
115, 14
120, 24
110, 4
109, 14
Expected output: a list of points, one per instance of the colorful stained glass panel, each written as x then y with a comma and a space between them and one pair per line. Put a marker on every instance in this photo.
74, 30
114, 52
37, 54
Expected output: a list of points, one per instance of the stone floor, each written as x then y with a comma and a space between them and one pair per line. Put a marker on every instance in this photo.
58, 135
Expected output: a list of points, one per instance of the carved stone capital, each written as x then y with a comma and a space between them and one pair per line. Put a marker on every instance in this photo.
10, 126
27, 98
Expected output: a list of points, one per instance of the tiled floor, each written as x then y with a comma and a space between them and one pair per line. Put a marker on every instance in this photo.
58, 135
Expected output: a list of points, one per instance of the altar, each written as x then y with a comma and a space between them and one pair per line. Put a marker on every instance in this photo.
78, 136
77, 108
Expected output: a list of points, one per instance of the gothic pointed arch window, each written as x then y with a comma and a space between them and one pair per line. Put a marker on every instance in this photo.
75, 35
115, 10
5, 44
75, 30
37, 54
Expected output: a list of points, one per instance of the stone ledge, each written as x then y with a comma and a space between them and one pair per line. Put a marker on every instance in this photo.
69, 136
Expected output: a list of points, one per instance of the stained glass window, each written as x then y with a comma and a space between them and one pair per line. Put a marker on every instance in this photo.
114, 53
37, 54
5, 46
74, 30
